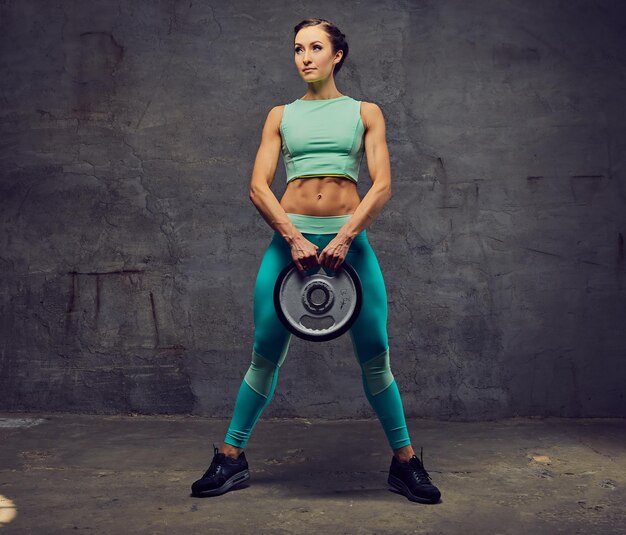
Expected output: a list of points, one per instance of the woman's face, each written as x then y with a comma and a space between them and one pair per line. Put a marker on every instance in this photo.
312, 50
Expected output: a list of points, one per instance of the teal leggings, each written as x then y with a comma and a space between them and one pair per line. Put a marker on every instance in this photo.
368, 334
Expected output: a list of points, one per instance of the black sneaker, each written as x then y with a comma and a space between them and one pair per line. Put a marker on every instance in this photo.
223, 474
412, 480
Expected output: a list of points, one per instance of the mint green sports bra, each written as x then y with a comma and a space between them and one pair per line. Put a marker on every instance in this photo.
322, 138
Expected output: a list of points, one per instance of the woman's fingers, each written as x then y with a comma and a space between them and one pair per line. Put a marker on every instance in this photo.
334, 254
304, 255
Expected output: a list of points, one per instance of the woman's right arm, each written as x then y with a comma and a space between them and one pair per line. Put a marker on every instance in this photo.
302, 250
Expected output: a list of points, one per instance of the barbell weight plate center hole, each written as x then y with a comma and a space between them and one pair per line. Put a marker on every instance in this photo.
319, 296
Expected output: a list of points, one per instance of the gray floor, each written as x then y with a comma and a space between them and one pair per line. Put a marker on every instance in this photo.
67, 473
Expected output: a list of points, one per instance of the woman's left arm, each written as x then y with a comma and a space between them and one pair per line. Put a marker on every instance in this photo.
377, 196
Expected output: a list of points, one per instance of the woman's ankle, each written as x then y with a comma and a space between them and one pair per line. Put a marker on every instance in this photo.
231, 451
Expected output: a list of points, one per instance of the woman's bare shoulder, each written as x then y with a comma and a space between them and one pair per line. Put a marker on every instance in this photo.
275, 115
370, 113
370, 107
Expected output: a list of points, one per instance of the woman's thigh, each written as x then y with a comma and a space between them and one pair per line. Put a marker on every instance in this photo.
271, 337
369, 331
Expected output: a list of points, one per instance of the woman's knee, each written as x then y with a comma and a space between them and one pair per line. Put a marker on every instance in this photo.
369, 338
260, 374
268, 356
272, 345
271, 337
377, 373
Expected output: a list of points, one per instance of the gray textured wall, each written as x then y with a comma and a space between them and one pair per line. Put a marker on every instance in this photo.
130, 247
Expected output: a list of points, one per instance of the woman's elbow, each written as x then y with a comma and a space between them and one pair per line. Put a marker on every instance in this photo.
255, 191
386, 189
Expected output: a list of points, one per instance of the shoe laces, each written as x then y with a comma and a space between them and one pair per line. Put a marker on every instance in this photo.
417, 467
212, 470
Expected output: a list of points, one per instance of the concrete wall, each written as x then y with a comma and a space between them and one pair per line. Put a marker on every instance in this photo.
129, 247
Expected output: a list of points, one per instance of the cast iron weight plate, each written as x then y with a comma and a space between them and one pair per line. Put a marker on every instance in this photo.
319, 306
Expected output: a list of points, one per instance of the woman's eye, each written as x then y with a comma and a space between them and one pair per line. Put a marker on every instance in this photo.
316, 46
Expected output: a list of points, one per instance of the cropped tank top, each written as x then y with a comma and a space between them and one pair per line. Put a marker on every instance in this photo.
322, 138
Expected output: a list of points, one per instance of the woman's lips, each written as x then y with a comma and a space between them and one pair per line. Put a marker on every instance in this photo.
309, 69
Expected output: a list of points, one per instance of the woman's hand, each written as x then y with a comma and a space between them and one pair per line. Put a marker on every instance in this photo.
335, 252
304, 254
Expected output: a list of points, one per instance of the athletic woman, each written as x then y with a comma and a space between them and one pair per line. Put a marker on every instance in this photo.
320, 221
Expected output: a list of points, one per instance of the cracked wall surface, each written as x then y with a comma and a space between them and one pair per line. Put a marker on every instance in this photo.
130, 247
